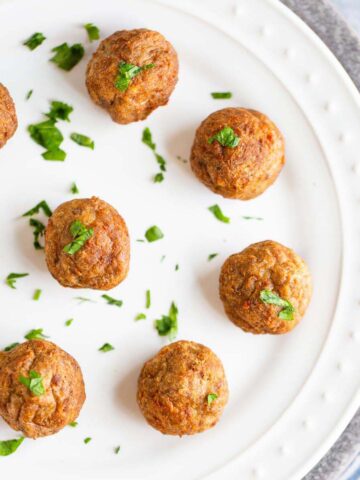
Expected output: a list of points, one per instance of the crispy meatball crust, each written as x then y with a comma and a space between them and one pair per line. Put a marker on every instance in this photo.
247, 170
174, 385
103, 261
39, 416
148, 90
8, 119
265, 265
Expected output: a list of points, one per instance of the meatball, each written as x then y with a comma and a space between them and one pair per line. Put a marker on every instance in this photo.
8, 119
183, 389
102, 260
244, 165
40, 409
266, 288
132, 73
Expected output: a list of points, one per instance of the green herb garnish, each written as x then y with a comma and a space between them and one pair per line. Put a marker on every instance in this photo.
159, 177
126, 72
153, 233
12, 277
92, 31
39, 230
40, 206
73, 424
245, 217
34, 41
287, 312
167, 325
216, 210
116, 450
67, 57
148, 299
83, 140
74, 189
211, 256
11, 346
35, 334
34, 383
37, 294
226, 137
28, 95
221, 95
177, 267
84, 299
7, 447
147, 140
87, 440
107, 347
140, 316
211, 397
69, 322
59, 111
80, 235
56, 155
112, 301
48, 136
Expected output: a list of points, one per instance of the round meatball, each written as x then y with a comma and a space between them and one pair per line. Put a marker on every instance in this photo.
41, 388
241, 166
8, 119
183, 389
116, 83
250, 279
102, 261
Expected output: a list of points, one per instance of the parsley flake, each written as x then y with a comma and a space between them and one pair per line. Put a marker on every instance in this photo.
39, 230
34, 383
73, 424
159, 177
35, 334
40, 206
221, 95
246, 217
148, 299
140, 316
211, 256
80, 235
34, 41
28, 95
216, 210
37, 294
153, 233
116, 450
147, 140
11, 346
167, 325
67, 57
7, 447
92, 31
59, 111
287, 312
84, 299
69, 322
112, 301
126, 73
226, 137
12, 277
107, 347
82, 140
87, 440
211, 397
48, 136
74, 189
177, 267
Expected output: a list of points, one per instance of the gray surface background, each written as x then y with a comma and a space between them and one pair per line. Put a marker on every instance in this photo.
342, 461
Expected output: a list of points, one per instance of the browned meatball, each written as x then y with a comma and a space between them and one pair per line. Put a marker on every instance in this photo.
8, 119
244, 170
183, 389
265, 267
148, 88
40, 410
102, 262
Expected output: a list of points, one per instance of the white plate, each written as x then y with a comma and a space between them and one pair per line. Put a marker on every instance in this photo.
290, 395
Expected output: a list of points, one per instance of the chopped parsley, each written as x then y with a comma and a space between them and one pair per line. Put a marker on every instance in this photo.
148, 299
34, 383
226, 137
39, 230
140, 316
73, 424
34, 41
147, 140
211, 397
287, 312
59, 111
35, 334
82, 140
28, 95
153, 233
11, 346
56, 155
167, 325
116, 450
92, 31
112, 301
211, 256
221, 95
216, 210
37, 294
80, 235
87, 440
246, 217
107, 347
84, 299
12, 277
40, 206
74, 188
67, 57
176, 267
126, 72
7, 447
48, 136
69, 322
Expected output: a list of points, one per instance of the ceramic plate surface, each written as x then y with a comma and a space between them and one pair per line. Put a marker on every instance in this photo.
290, 396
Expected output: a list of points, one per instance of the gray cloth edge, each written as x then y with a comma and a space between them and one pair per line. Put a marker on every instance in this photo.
329, 25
